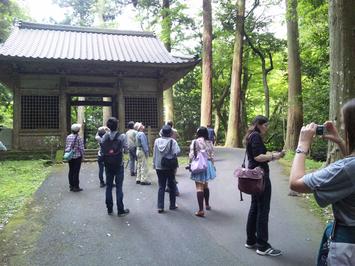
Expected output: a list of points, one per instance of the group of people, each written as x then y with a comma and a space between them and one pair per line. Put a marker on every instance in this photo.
135, 143
334, 184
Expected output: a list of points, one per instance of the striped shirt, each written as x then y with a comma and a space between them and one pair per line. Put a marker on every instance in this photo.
78, 145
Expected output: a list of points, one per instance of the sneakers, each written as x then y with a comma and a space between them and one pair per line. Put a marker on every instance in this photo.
124, 213
250, 246
269, 252
102, 184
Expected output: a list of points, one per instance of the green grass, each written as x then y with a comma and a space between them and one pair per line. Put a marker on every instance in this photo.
18, 181
325, 214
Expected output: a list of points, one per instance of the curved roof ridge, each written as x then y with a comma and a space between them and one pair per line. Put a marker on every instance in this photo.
39, 26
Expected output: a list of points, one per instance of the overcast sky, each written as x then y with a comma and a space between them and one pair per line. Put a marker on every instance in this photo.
42, 10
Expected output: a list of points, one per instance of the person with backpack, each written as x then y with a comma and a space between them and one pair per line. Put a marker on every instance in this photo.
112, 146
142, 155
201, 146
258, 218
74, 142
166, 147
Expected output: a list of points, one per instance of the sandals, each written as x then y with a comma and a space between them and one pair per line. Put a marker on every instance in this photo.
200, 214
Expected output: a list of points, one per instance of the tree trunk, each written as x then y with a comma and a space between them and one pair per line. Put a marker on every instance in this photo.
218, 116
166, 38
106, 111
295, 108
265, 71
243, 110
342, 63
233, 138
81, 119
206, 96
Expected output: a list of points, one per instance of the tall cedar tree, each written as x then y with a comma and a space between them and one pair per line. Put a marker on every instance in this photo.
342, 62
166, 37
295, 108
206, 96
234, 138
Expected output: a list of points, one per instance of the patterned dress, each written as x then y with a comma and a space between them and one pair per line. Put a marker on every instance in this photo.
206, 145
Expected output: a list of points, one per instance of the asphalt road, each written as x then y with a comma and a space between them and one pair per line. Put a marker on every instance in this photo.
74, 228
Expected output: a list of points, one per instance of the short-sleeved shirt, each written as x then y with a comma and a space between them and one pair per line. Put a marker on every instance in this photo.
335, 184
75, 141
255, 147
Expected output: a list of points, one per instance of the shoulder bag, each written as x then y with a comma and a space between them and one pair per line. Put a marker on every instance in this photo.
250, 181
199, 164
170, 163
68, 155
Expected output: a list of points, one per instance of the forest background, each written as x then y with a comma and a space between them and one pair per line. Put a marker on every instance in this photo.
185, 37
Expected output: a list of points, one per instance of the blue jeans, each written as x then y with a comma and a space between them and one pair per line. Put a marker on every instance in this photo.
163, 177
258, 218
117, 175
101, 164
132, 160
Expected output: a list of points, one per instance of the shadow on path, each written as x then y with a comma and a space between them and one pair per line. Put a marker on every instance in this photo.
65, 228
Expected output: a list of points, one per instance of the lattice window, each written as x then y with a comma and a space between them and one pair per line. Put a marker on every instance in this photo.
39, 112
140, 109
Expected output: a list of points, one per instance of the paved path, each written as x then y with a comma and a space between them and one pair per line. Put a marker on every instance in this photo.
65, 228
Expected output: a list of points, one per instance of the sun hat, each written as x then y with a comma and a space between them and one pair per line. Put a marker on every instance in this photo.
75, 127
137, 125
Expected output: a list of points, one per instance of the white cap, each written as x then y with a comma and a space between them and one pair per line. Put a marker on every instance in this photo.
137, 125
75, 127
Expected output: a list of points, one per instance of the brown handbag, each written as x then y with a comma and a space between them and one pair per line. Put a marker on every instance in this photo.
250, 181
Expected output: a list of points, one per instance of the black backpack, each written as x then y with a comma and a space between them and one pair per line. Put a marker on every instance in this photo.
112, 152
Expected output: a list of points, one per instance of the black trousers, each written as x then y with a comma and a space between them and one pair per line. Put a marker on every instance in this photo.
258, 218
166, 176
74, 169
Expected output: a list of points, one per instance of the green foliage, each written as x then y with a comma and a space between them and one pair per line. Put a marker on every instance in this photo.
18, 181
187, 95
54, 143
314, 44
6, 106
10, 11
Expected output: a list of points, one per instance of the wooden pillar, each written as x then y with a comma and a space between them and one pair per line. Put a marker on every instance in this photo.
121, 105
150, 139
160, 103
63, 115
81, 118
17, 112
106, 110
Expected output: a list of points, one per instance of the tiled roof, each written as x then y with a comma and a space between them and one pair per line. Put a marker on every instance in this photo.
40, 41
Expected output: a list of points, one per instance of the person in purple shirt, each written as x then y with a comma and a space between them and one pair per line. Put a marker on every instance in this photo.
74, 141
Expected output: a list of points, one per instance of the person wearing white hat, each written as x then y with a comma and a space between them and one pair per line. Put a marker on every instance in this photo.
74, 142
142, 155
